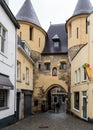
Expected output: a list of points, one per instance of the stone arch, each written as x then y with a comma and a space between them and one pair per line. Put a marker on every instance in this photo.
59, 94
53, 86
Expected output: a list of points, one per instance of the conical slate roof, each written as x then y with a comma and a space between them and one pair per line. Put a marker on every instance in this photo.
83, 7
27, 13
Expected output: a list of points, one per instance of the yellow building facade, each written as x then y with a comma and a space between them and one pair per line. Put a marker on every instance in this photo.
47, 60
80, 53
24, 80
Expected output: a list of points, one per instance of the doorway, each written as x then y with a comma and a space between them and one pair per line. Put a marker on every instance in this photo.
55, 95
84, 107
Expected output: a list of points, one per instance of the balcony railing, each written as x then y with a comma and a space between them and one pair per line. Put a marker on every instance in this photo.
25, 46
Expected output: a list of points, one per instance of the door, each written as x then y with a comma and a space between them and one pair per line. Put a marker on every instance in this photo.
84, 107
27, 105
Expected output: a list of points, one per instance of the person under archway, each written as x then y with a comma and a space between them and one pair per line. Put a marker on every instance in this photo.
57, 106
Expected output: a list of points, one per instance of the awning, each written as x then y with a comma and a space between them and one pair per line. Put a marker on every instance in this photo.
5, 82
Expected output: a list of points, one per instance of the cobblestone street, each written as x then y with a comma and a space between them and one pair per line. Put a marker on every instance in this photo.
51, 121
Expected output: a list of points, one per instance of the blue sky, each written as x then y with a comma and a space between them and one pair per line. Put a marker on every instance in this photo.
54, 11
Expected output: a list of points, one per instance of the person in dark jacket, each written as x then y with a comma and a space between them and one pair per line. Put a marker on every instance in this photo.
57, 106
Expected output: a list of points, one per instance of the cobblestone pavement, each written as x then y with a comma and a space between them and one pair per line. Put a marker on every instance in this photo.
51, 121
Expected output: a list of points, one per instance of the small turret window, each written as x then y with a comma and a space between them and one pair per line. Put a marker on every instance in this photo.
70, 31
77, 32
30, 33
39, 42
87, 26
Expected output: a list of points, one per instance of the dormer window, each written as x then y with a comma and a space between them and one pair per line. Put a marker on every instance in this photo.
56, 40
56, 43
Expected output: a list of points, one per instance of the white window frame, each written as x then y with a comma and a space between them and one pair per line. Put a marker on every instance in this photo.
75, 105
18, 71
76, 77
79, 75
4, 99
83, 73
27, 75
3, 37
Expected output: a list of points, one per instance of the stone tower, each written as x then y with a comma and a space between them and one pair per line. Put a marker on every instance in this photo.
32, 36
76, 27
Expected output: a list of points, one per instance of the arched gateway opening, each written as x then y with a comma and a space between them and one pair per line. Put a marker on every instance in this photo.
55, 94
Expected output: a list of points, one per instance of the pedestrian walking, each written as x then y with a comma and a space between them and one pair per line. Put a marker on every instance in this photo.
43, 106
57, 106
54, 107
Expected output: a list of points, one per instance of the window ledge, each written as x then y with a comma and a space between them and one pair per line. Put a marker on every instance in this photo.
27, 83
76, 110
63, 70
19, 81
3, 54
77, 83
3, 108
47, 71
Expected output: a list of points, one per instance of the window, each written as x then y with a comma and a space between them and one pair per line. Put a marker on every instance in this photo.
54, 71
77, 32
86, 26
79, 75
27, 75
70, 30
39, 42
75, 76
0, 29
76, 100
18, 71
39, 65
47, 66
84, 75
63, 66
56, 43
3, 98
31, 33
35, 102
2, 39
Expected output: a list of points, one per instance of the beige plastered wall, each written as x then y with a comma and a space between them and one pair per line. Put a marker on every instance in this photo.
37, 33
72, 25
81, 58
25, 62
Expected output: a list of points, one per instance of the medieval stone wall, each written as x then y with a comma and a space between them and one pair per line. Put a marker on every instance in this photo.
44, 79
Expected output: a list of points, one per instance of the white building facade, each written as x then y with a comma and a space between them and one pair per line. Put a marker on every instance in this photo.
8, 28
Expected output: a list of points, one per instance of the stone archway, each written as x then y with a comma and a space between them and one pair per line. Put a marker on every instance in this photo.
55, 93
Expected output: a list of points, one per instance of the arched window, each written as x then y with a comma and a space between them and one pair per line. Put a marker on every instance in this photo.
54, 71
